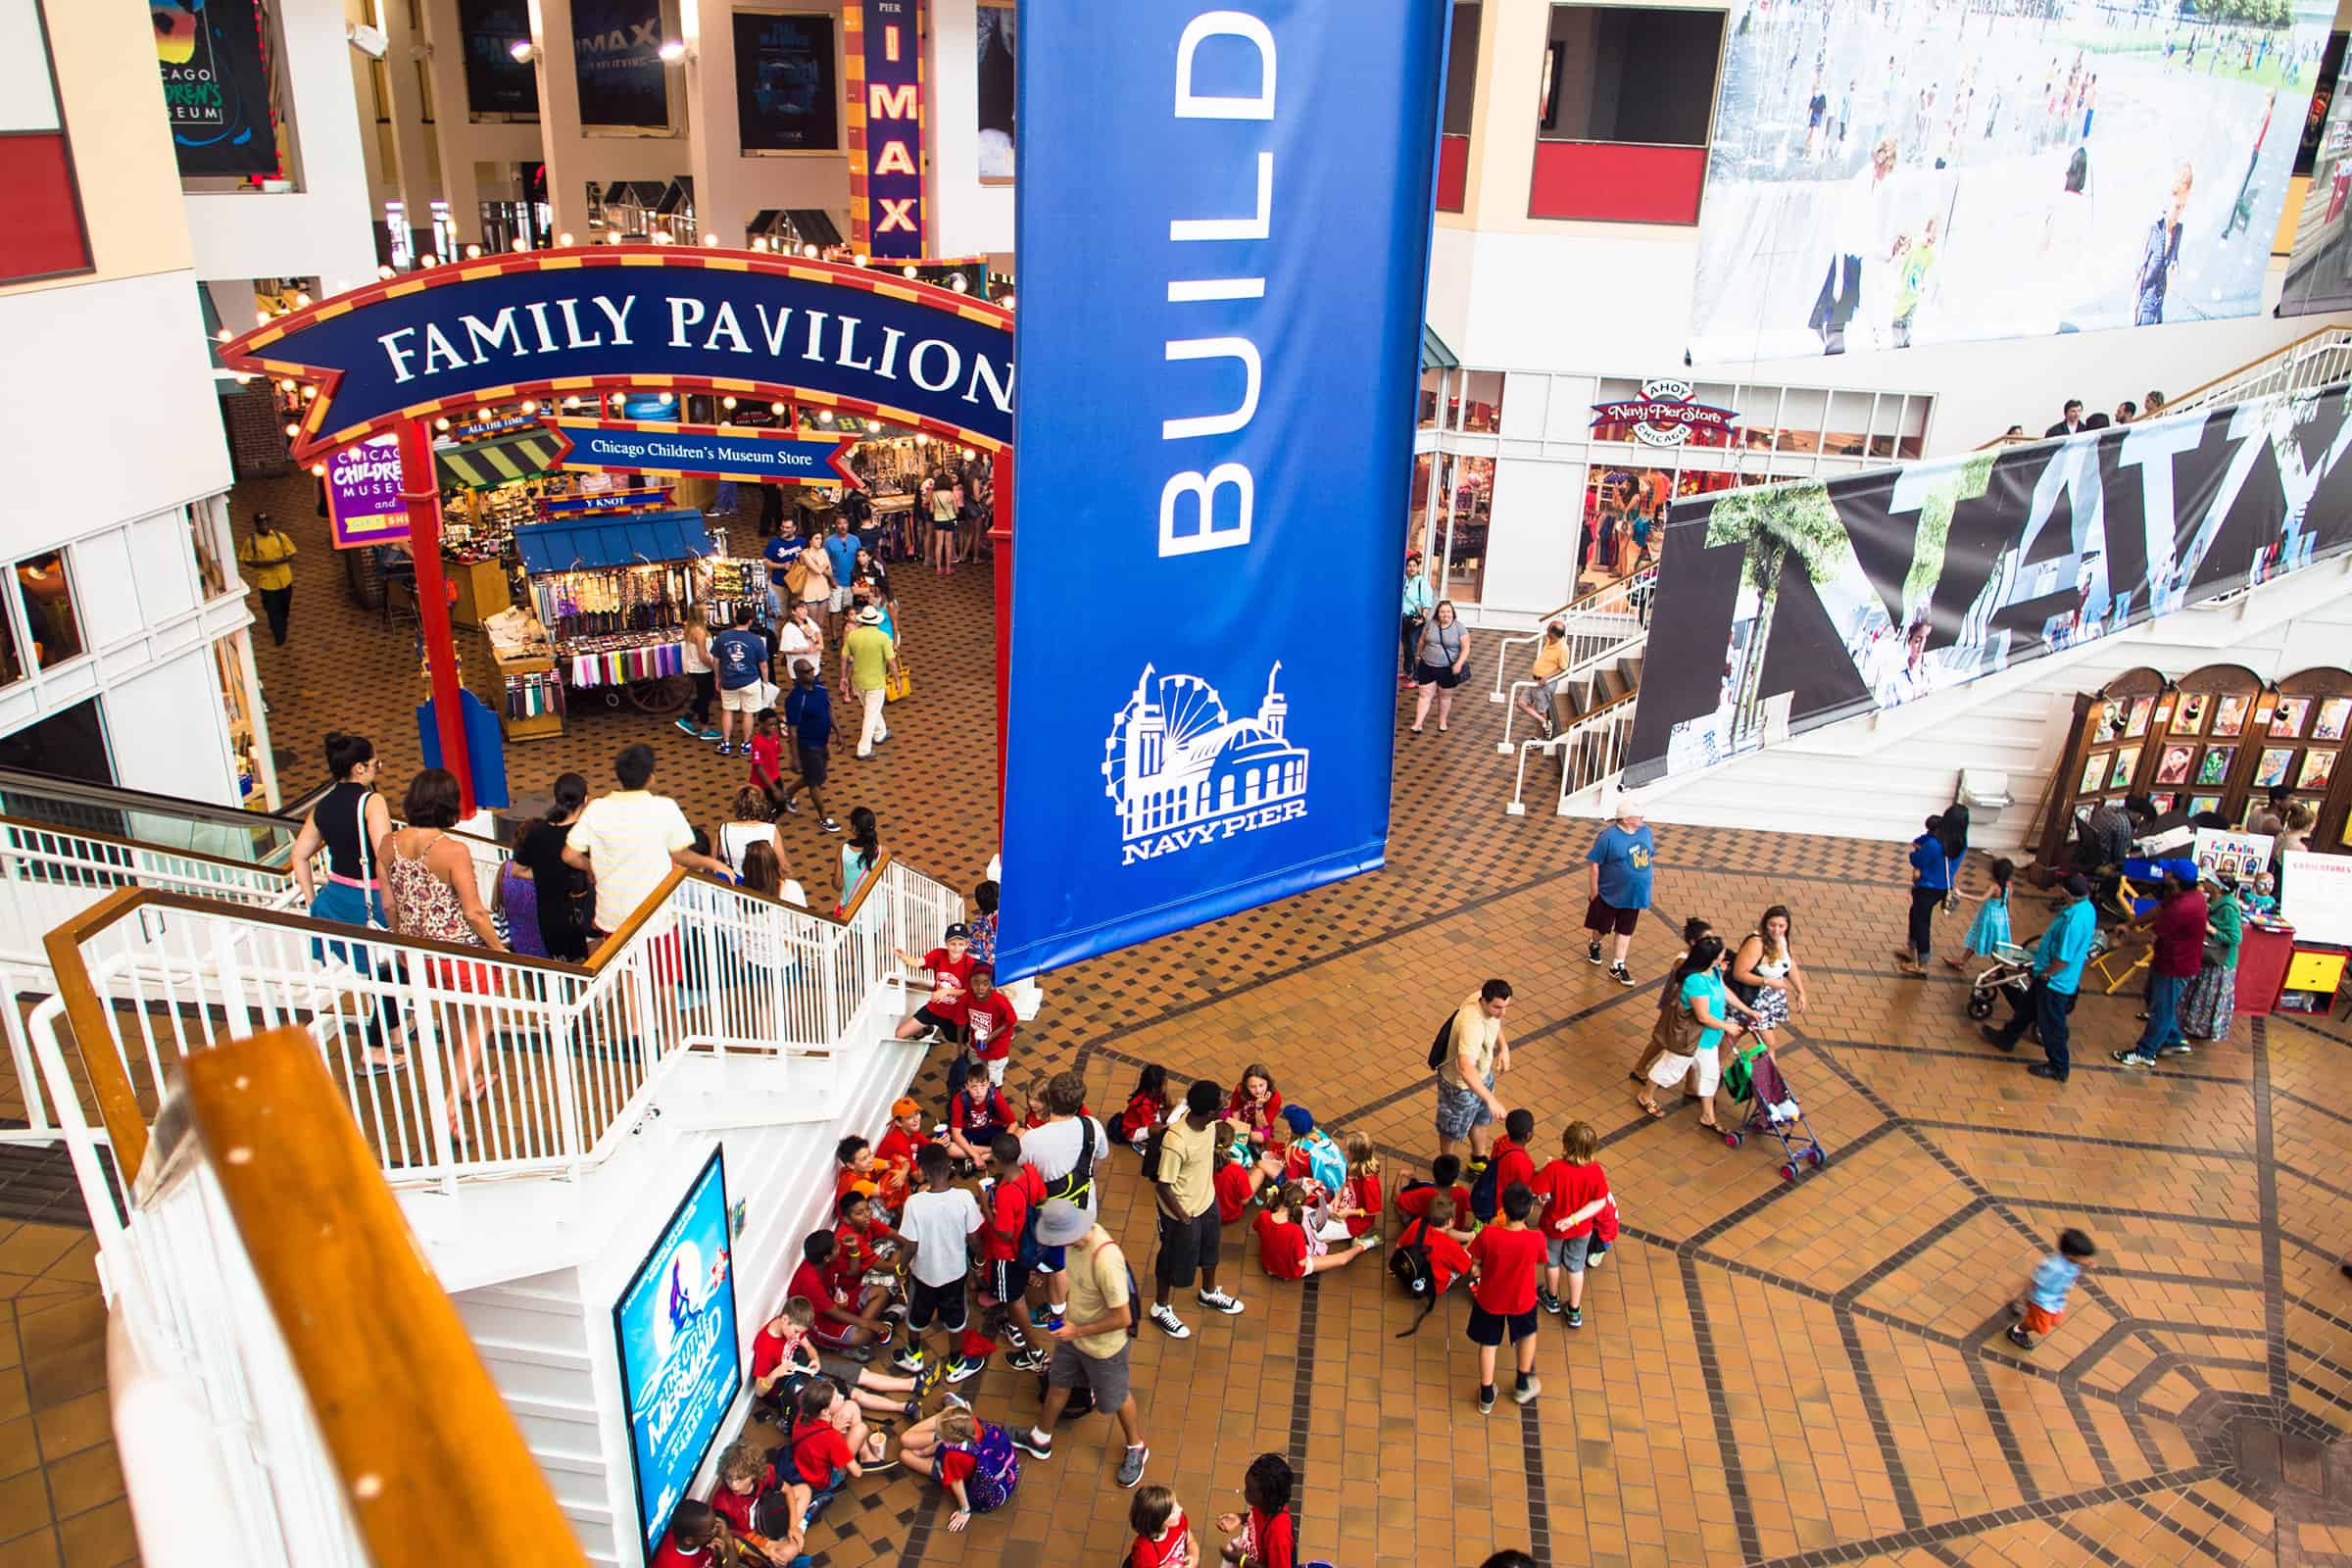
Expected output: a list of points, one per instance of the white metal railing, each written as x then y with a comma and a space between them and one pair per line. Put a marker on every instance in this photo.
457, 1063
1591, 751
1587, 674
2320, 358
1599, 625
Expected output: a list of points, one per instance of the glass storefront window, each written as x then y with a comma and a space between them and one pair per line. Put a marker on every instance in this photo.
48, 599
12, 663
1462, 510
1481, 399
1424, 498
1433, 398
204, 539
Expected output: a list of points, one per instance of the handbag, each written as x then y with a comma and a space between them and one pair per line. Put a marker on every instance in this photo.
367, 889
1684, 1034
1951, 887
796, 577
900, 682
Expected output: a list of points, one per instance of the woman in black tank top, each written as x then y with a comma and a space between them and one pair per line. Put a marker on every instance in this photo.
350, 822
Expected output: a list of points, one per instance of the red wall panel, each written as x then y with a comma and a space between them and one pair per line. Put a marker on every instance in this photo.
1454, 172
1615, 180
43, 233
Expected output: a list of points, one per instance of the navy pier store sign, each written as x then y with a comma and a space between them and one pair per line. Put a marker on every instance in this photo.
614, 445
554, 323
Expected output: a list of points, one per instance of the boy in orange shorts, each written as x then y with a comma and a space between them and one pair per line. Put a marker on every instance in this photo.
2044, 1306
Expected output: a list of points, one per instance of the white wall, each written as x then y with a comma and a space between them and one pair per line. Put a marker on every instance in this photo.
967, 218
2016, 722
321, 230
1587, 302
1531, 544
114, 416
165, 729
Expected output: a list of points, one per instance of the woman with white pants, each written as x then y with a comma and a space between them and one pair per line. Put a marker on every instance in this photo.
1709, 1008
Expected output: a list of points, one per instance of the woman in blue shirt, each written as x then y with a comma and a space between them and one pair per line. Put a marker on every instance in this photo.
1934, 866
1699, 981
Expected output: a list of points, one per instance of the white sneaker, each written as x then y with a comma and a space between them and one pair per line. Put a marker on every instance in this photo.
1170, 1323
1219, 1302
1368, 1241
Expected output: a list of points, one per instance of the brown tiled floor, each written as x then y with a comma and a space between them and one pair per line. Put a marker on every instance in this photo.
1770, 1372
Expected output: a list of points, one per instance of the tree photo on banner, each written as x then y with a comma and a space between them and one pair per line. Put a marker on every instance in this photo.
785, 95
1933, 173
997, 73
1202, 682
2319, 273
215, 62
1802, 604
496, 82
618, 62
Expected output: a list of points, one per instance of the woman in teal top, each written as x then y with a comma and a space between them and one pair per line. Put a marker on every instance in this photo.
2210, 1001
1699, 981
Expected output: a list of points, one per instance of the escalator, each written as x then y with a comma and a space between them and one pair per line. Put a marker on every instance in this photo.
262, 839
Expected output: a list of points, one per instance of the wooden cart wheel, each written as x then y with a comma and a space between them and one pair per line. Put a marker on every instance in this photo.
663, 695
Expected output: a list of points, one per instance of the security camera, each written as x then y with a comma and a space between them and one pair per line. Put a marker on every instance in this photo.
367, 40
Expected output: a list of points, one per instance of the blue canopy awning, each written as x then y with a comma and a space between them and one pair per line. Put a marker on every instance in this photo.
594, 543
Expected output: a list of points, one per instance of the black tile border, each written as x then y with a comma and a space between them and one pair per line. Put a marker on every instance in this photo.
1718, 1405
1539, 1484
1302, 1391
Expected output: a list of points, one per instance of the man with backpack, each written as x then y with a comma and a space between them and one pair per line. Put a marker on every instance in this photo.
1090, 1348
1469, 1054
1181, 1163
1063, 1150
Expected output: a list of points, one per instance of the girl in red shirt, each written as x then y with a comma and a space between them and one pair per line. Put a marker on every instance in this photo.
974, 1459
1256, 1105
1146, 1108
1360, 1201
1284, 1246
1266, 1539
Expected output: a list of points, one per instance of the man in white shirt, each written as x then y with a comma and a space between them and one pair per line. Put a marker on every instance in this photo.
629, 839
1065, 1151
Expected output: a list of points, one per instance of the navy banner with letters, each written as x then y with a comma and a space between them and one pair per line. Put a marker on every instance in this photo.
513, 326
1224, 225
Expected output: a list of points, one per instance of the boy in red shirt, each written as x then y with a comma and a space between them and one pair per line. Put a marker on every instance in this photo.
895, 1154
1444, 1176
1447, 1259
861, 1236
1513, 1161
821, 1458
848, 1317
767, 757
693, 1538
948, 967
1267, 1539
1282, 1240
976, 1114
1574, 1193
1504, 1260
1013, 1190
855, 1168
784, 1358
988, 1022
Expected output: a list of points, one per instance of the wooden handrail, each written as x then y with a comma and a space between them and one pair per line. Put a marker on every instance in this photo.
26, 824
432, 1463
871, 880
85, 1012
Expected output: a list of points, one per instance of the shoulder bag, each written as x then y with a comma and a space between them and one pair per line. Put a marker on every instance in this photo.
1951, 885
367, 887
1684, 1032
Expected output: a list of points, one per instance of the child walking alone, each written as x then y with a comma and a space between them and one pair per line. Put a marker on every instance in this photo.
2042, 1307
1989, 933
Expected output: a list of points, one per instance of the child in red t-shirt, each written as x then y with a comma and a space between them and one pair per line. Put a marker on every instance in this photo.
952, 1446
948, 969
1256, 1106
1013, 1190
866, 1245
693, 1538
1444, 1176
1237, 1179
1511, 1160
988, 1021
744, 1477
895, 1154
784, 1358
847, 1315
1284, 1247
1448, 1260
1360, 1201
1146, 1108
975, 1115
767, 757
855, 1168
822, 1459
1163, 1537
1266, 1539
1574, 1193
1505, 1257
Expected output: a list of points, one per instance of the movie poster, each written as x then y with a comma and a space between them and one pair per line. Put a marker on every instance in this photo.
2319, 271
1799, 605
617, 62
785, 95
215, 69
496, 82
1920, 172
994, 66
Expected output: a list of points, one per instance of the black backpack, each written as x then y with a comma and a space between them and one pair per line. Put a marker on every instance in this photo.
1486, 1193
1442, 1044
1408, 1262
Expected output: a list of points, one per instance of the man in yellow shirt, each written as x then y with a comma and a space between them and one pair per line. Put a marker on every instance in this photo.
268, 553
868, 661
1552, 657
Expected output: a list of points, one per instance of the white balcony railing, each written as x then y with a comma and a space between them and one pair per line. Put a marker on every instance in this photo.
1599, 626
1591, 752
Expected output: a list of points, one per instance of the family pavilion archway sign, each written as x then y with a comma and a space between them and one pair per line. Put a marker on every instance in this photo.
394, 355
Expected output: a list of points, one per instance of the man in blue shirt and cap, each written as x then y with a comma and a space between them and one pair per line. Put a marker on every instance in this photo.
2057, 977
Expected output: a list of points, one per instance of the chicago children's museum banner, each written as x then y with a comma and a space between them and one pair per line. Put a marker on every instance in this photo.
1924, 172
1204, 615
1802, 604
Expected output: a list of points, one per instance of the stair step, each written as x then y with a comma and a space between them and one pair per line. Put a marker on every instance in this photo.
1612, 686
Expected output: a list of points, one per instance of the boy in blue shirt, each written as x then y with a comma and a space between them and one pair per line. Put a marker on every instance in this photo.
1621, 859
2043, 1305
809, 711
2057, 977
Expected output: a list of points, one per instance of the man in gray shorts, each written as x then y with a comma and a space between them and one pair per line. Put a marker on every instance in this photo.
1091, 1346
1474, 1054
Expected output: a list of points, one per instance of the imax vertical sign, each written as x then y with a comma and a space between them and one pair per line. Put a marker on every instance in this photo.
1224, 233
883, 41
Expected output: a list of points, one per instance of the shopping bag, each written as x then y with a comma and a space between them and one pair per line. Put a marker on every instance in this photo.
899, 683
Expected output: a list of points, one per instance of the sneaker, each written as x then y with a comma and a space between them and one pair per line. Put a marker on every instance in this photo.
1219, 1302
726, 749
1368, 1241
1576, 1314
2042, 1070
1597, 1255
1995, 1039
2018, 1337
690, 727
1592, 952
1548, 1303
932, 1375
828, 824
1040, 1317
965, 1367
1169, 1323
873, 1467
1027, 1362
957, 1401
1527, 1394
1475, 1168
1026, 1441
2132, 1059
1621, 974
908, 1361
791, 806
2182, 1049
1486, 1401
712, 735
1131, 1468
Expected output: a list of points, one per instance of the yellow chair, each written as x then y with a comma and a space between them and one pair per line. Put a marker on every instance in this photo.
2116, 966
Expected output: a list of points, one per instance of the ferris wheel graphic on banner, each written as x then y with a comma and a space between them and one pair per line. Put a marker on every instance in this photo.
1182, 771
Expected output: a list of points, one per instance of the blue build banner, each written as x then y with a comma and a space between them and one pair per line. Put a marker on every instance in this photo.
1224, 235
674, 1326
